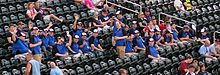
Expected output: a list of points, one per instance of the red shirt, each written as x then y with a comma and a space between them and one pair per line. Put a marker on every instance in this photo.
148, 28
162, 28
183, 66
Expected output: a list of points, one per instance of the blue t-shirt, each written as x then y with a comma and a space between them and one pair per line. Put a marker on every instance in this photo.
204, 50
35, 40
204, 37
45, 41
120, 33
56, 71
85, 48
174, 35
115, 28
75, 47
153, 51
128, 48
51, 40
62, 48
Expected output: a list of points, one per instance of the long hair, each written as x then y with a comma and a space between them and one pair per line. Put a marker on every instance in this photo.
29, 3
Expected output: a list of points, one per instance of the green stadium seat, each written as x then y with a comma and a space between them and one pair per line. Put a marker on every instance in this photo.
104, 67
80, 71
115, 73
166, 72
119, 63
154, 67
132, 71
175, 61
96, 69
88, 69
139, 69
161, 66
72, 72
147, 69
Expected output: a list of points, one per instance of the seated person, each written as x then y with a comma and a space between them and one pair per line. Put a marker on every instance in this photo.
77, 27
133, 28
215, 48
9, 34
185, 34
139, 43
94, 42
129, 47
84, 44
159, 38
205, 51
46, 17
191, 70
89, 4
184, 66
104, 17
100, 4
147, 14
175, 33
55, 70
203, 36
60, 49
45, 38
188, 5
149, 27
98, 24
142, 22
51, 38
168, 38
152, 51
74, 48
149, 34
202, 70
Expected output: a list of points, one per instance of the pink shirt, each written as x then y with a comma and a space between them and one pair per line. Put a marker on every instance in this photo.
89, 2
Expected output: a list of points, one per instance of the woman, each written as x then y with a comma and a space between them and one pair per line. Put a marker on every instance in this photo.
98, 24
32, 13
142, 22
89, 4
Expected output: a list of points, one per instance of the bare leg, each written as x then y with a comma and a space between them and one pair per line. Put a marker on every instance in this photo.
55, 17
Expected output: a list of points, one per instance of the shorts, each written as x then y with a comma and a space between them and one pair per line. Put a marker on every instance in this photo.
47, 17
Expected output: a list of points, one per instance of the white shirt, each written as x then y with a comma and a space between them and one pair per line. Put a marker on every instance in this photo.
188, 73
96, 1
179, 4
213, 48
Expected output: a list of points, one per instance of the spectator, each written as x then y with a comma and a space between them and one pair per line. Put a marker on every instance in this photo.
20, 46
45, 38
184, 66
159, 38
94, 42
151, 34
76, 1
51, 38
55, 70
179, 6
84, 44
35, 44
188, 5
46, 17
9, 34
203, 72
162, 27
129, 47
139, 43
215, 48
104, 17
147, 14
119, 40
149, 27
191, 70
100, 4
33, 66
152, 51
119, 19
203, 37
154, 23
20, 29
32, 13
133, 28
197, 68
74, 48
89, 4
122, 71
175, 33
205, 52
168, 38
98, 24
60, 49
185, 34
77, 27
142, 22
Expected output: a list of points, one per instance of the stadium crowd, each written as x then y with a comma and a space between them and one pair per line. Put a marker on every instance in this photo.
143, 35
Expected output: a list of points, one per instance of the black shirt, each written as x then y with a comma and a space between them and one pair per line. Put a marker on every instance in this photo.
91, 40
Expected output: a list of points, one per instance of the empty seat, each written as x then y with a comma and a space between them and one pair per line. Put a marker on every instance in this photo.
73, 8
60, 63
88, 69
115, 73
66, 9
59, 10
14, 18
72, 72
21, 16
19, 7
104, 67
139, 69
96, 68
12, 9
80, 71
147, 69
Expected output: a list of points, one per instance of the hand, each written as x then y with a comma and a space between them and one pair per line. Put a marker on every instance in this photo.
51, 24
116, 38
84, 42
80, 52
67, 71
76, 17
175, 44
15, 31
187, 37
67, 44
211, 57
48, 9
57, 54
157, 58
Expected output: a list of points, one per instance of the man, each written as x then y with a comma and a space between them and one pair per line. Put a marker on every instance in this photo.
162, 27
60, 49
184, 66
46, 17
77, 27
9, 34
46, 38
122, 71
33, 66
74, 48
94, 42
139, 43
119, 40
129, 47
100, 4
175, 33
104, 17
191, 70
55, 70
168, 38
185, 34
119, 19
205, 51
147, 14
203, 37
179, 6
84, 44
159, 38
35, 44
188, 5
133, 28
20, 29
51, 38
215, 48
152, 51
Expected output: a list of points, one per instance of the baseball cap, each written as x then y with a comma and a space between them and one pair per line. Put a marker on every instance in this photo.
203, 30
104, 10
76, 37
51, 30
192, 66
118, 12
151, 39
35, 28
45, 29
134, 22
168, 31
83, 34
95, 31
22, 34
151, 30
78, 23
136, 31
157, 29
147, 10
185, 27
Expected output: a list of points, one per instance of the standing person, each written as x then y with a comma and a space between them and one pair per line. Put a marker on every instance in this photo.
119, 18
46, 17
152, 51
9, 34
33, 66
55, 70
122, 71
215, 48
94, 42
205, 51
202, 72
51, 38
139, 43
35, 44
129, 46
119, 37
179, 6
191, 70
188, 5
203, 36
74, 48
184, 66
84, 44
